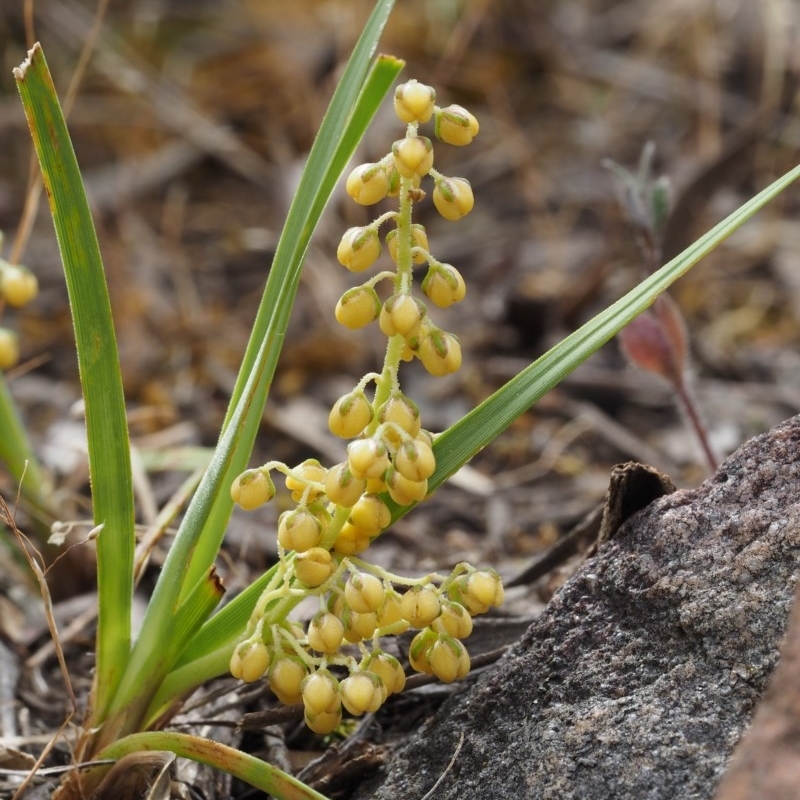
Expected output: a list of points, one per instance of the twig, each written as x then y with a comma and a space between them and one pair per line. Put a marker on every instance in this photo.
35, 565
447, 769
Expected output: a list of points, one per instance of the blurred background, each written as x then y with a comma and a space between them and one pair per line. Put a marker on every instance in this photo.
192, 121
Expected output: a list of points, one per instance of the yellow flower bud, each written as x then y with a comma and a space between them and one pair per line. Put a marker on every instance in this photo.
401, 313
304, 475
414, 101
444, 285
285, 676
313, 567
483, 589
367, 458
420, 606
324, 723
350, 414
342, 487
389, 670
325, 632
455, 125
320, 693
453, 198
402, 412
249, 660
413, 156
362, 691
448, 659
367, 184
370, 514
358, 307
351, 540
454, 620
299, 530
376, 485
404, 491
359, 626
477, 591
419, 651
359, 248
440, 352
415, 460
9, 348
252, 488
390, 613
364, 593
18, 285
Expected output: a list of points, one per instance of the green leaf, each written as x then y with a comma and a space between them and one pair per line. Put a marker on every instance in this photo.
459, 443
17, 454
247, 768
106, 426
208, 654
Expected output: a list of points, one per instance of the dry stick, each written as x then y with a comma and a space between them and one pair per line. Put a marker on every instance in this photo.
447, 769
35, 564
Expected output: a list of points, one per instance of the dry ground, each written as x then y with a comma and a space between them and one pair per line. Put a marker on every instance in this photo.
192, 122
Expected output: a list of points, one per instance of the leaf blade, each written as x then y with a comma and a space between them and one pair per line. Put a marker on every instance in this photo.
98, 360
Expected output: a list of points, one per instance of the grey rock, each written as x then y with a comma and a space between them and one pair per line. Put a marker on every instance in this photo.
642, 673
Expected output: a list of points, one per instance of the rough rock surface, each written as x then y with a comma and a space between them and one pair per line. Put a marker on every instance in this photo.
766, 762
642, 674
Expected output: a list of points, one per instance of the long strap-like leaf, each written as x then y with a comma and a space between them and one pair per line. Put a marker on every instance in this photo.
106, 426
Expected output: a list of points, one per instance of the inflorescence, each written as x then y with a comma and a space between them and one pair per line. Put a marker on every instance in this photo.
336, 660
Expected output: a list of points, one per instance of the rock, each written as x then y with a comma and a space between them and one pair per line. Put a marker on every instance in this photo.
642, 673
766, 762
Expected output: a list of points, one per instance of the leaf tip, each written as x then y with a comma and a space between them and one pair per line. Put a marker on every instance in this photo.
21, 70
393, 61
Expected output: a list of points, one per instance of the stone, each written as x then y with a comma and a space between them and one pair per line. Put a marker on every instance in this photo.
642, 673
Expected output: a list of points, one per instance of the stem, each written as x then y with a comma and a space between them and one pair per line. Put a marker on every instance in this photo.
334, 526
405, 268
690, 407
399, 580
388, 380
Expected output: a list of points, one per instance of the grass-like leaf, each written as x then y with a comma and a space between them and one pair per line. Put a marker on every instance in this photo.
18, 457
248, 768
106, 426
459, 443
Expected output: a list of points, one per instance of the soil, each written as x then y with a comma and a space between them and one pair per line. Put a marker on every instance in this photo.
191, 124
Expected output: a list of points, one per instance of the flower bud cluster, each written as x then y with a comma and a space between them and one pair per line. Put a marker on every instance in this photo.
308, 665
18, 286
399, 174
338, 511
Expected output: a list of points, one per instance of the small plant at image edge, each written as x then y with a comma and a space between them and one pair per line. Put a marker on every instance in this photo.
18, 286
335, 661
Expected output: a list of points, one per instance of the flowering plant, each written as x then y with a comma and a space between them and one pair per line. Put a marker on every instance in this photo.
187, 637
